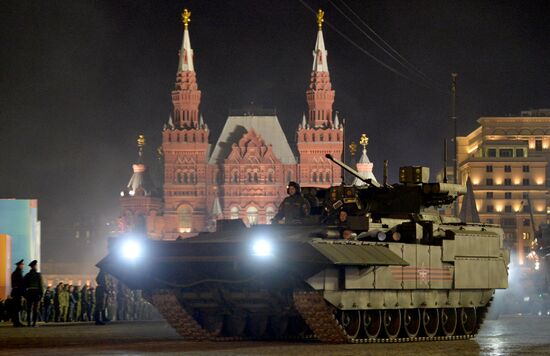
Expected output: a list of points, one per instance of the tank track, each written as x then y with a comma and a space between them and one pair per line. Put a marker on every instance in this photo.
321, 320
312, 307
166, 302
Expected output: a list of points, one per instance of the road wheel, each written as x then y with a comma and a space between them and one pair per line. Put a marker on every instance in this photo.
411, 322
430, 321
392, 323
351, 321
468, 319
448, 321
372, 323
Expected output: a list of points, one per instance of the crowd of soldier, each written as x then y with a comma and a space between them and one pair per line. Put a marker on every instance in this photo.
110, 300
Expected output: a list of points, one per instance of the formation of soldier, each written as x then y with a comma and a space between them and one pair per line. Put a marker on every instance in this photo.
110, 300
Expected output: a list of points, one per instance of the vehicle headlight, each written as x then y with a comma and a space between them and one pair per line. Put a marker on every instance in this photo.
262, 248
131, 249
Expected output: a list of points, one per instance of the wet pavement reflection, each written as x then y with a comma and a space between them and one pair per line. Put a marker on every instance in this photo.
509, 335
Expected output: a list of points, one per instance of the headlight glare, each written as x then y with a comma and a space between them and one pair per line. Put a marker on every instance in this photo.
131, 250
262, 248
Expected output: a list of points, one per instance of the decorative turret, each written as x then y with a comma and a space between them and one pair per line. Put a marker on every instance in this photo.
140, 183
364, 165
320, 134
320, 95
186, 97
140, 205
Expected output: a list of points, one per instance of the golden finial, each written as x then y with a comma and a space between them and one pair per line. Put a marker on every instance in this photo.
186, 17
140, 143
364, 141
320, 19
352, 148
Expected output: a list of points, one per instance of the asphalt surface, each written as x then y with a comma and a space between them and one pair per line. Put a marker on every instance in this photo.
509, 335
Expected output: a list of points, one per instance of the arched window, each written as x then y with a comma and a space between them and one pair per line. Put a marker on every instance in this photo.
234, 213
305, 138
185, 214
178, 177
255, 177
194, 137
178, 137
321, 137
252, 215
235, 177
314, 177
329, 137
250, 177
185, 137
313, 137
270, 176
185, 178
321, 178
327, 176
169, 137
191, 177
269, 214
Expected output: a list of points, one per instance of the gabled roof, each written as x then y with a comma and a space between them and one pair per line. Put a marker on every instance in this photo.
268, 127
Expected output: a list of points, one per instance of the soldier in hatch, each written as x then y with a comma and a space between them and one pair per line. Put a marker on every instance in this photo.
294, 208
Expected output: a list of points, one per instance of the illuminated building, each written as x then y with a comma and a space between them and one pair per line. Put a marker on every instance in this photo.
244, 173
5, 266
507, 161
20, 230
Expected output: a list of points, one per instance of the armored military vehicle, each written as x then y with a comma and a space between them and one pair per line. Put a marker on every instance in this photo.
407, 273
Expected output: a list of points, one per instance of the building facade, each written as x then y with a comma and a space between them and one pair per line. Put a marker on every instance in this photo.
507, 159
244, 173
19, 236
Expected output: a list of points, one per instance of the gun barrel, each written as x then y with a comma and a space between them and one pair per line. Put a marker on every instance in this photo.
352, 171
444, 188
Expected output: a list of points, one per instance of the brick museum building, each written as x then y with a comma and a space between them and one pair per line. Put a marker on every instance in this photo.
243, 173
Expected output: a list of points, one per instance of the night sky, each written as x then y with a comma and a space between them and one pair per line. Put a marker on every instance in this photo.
79, 80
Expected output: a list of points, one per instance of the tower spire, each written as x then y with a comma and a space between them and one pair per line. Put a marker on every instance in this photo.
320, 53
320, 95
186, 52
186, 97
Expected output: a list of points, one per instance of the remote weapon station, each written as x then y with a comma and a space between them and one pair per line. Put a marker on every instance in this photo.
408, 273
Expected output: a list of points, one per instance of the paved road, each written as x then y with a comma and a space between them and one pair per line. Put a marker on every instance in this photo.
506, 336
